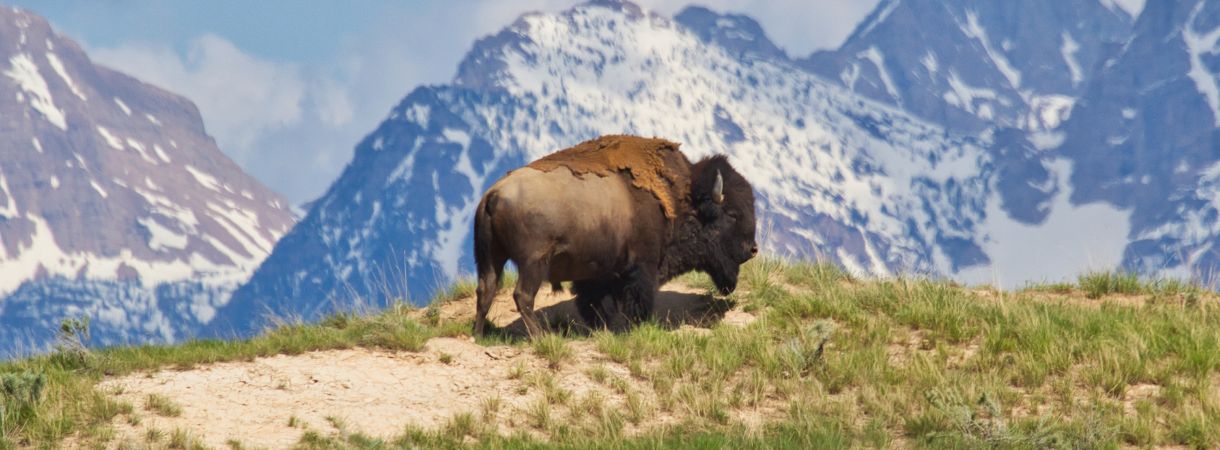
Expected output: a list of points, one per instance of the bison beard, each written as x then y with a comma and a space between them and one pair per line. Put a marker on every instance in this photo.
618, 216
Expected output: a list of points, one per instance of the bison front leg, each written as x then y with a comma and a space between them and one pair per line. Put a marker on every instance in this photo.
589, 295
528, 282
635, 293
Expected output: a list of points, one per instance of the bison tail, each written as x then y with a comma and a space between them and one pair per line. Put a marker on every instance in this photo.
483, 235
489, 265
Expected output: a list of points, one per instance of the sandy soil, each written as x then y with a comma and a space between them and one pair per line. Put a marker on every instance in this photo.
378, 393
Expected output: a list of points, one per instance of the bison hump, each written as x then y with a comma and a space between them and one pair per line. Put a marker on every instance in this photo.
655, 165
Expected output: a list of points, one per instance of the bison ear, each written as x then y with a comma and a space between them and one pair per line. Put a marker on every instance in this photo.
718, 189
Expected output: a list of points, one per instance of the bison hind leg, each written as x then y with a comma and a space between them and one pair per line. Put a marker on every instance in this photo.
490, 275
589, 296
635, 293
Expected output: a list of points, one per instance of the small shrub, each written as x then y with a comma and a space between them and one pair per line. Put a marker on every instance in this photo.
71, 343
802, 352
23, 388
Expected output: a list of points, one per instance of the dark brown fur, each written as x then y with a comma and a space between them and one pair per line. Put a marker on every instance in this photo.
614, 233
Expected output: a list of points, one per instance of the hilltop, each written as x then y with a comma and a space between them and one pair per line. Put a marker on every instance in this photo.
803, 355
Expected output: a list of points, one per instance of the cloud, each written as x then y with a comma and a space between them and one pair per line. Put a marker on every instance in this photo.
241, 96
332, 103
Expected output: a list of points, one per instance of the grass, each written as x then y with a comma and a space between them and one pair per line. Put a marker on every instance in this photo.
832, 361
553, 348
162, 406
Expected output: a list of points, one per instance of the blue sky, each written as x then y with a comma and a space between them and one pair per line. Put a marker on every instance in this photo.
288, 87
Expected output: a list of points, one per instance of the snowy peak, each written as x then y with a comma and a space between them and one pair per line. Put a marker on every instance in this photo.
972, 65
733, 32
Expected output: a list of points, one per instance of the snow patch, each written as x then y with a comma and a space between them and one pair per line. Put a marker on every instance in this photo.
58, 66
161, 237
9, 210
160, 153
54, 182
139, 148
1068, 51
203, 178
111, 140
881, 16
1133, 8
874, 56
929, 63
963, 95
972, 29
1047, 112
37, 145
25, 73
122, 106
98, 188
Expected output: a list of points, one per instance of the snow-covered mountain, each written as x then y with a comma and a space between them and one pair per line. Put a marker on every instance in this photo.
1145, 138
114, 202
971, 65
838, 176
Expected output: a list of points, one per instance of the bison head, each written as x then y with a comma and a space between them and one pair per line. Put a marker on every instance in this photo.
724, 203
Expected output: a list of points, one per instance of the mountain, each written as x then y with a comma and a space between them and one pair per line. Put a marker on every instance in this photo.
972, 66
114, 201
1144, 138
837, 176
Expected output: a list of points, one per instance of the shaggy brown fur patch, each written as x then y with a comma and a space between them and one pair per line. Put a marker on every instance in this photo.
650, 161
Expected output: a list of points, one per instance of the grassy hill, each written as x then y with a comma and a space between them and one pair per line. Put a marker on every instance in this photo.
802, 356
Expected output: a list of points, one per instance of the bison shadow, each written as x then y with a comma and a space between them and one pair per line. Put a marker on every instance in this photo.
672, 310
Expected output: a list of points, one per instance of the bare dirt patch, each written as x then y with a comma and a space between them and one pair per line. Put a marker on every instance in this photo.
271, 402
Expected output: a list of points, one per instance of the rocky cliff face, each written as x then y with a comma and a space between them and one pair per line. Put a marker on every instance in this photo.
106, 179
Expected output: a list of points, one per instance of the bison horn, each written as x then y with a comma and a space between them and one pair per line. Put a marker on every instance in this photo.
718, 188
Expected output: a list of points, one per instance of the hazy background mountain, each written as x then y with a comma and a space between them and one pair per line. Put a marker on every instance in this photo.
114, 201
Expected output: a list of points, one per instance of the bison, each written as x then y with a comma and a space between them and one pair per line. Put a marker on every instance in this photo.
618, 216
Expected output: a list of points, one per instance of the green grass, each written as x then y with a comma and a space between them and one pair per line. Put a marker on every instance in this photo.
839, 361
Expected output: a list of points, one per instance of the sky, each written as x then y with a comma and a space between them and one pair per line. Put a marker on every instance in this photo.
289, 87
